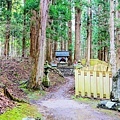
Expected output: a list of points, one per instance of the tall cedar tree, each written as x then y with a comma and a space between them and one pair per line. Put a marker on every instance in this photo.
38, 67
7, 36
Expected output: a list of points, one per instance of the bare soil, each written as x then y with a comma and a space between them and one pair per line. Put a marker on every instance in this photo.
58, 105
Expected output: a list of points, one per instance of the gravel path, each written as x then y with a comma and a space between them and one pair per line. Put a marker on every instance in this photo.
58, 105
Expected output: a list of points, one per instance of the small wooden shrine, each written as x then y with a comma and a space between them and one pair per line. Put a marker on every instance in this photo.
62, 56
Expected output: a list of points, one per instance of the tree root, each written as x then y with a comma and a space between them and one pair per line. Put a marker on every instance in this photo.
6, 93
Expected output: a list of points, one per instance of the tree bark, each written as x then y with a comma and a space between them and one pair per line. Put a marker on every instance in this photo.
34, 33
118, 49
70, 36
49, 50
7, 35
24, 32
89, 35
38, 68
77, 33
112, 47
62, 44
118, 38
112, 38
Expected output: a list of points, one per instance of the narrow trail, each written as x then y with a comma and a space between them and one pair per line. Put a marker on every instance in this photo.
58, 105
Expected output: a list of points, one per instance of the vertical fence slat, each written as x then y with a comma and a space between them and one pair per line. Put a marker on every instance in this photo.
76, 82
95, 84
79, 82
101, 84
98, 83
88, 84
92, 82
82, 84
107, 85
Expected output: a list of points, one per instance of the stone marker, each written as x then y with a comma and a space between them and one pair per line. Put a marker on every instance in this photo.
46, 80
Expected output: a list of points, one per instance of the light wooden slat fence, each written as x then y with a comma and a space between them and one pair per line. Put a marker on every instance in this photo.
93, 82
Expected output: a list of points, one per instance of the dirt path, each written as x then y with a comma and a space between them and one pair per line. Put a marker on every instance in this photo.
58, 105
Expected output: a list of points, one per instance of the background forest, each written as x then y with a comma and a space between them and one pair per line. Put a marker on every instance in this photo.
89, 29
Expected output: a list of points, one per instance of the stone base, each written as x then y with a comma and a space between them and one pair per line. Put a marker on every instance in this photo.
46, 83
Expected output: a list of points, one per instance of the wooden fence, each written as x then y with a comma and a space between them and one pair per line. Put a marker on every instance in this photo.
94, 82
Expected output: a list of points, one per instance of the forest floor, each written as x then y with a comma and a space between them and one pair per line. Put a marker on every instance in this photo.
58, 103
12, 71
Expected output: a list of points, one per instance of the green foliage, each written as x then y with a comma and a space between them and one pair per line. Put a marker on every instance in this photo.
31, 5
16, 22
21, 111
60, 15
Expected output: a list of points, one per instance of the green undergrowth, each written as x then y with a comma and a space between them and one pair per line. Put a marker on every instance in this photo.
92, 102
32, 94
21, 111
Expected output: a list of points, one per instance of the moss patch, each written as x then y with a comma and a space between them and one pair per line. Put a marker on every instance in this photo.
32, 94
92, 102
21, 111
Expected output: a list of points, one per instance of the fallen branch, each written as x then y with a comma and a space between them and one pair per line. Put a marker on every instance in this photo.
57, 71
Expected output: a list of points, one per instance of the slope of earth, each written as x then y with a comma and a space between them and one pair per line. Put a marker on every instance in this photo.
12, 71
15, 71
58, 105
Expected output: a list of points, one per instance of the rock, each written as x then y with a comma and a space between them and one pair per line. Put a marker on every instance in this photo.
111, 104
118, 109
107, 105
28, 118
102, 104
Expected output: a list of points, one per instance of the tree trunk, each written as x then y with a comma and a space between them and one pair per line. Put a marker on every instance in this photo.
65, 45
7, 35
49, 42
70, 37
77, 34
34, 33
118, 39
38, 68
112, 47
55, 45
118, 49
24, 32
89, 35
62, 45
106, 54
48, 50
112, 41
